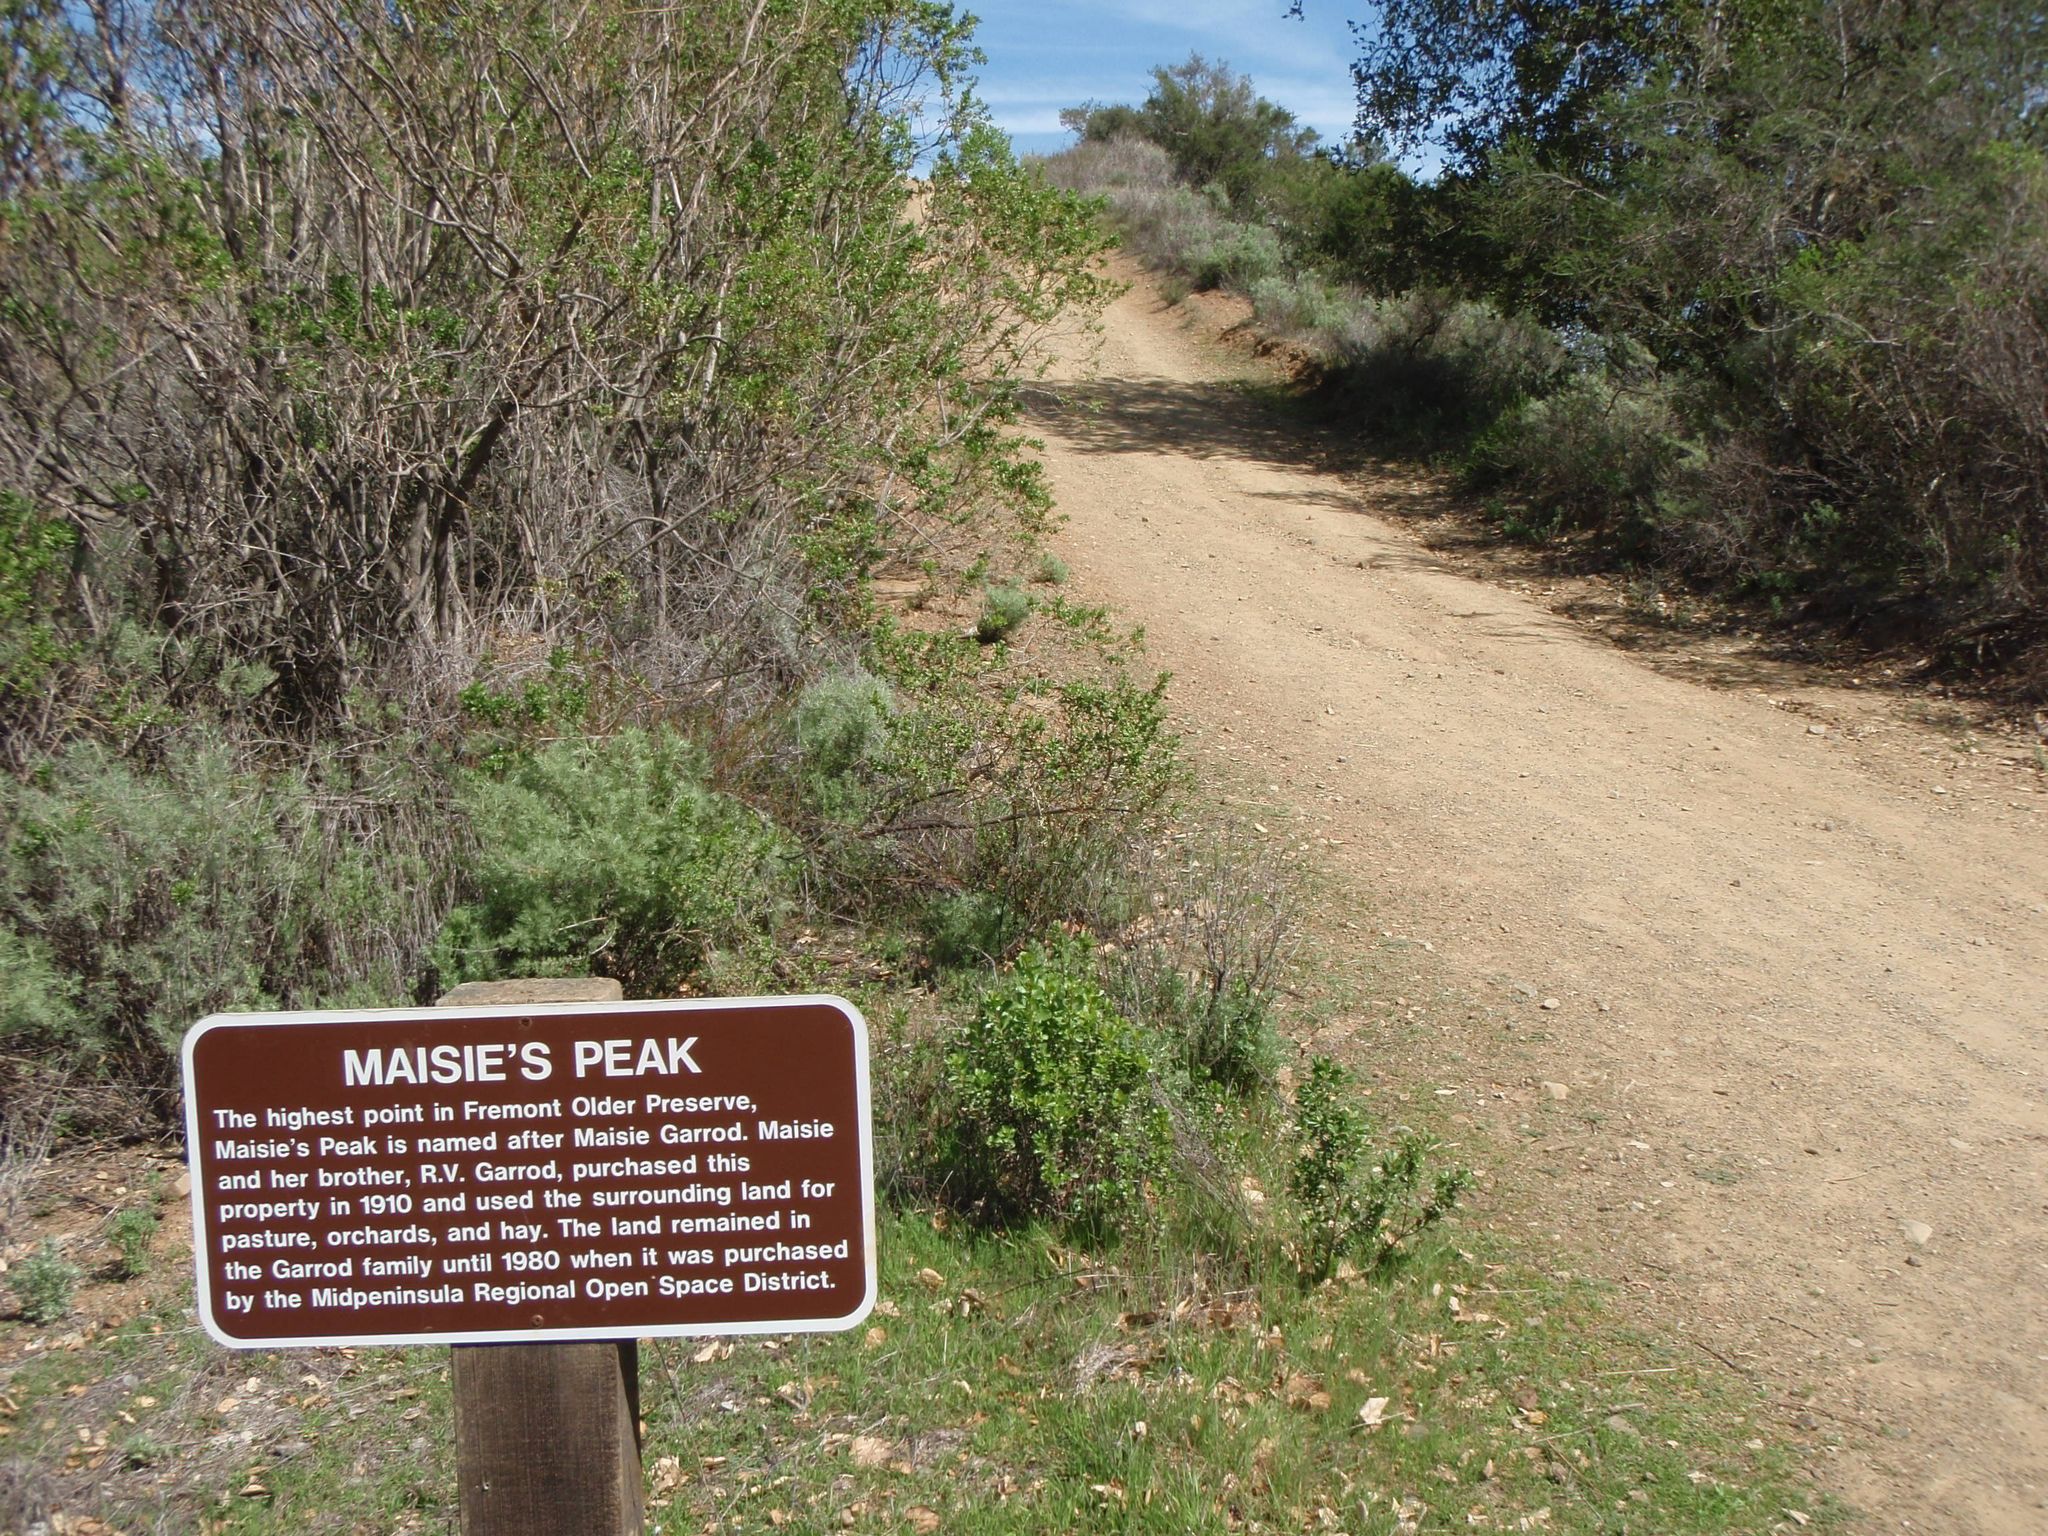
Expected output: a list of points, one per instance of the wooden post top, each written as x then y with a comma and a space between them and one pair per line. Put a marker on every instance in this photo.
542, 989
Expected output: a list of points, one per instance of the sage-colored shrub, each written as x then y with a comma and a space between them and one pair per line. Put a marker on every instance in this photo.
1002, 610
839, 730
136, 898
43, 1283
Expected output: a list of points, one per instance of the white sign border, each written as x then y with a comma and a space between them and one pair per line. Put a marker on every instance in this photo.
864, 1108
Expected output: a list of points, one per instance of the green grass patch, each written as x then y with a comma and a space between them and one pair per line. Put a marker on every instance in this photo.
152, 1426
1007, 1383
1013, 1384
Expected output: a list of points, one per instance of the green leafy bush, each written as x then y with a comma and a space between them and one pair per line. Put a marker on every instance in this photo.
1055, 1107
43, 1283
1350, 1209
38, 1002
510, 716
1020, 786
1002, 610
609, 856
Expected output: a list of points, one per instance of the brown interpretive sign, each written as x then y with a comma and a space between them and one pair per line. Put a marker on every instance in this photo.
565, 1171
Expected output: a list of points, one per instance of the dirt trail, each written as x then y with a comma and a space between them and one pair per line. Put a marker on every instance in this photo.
1783, 946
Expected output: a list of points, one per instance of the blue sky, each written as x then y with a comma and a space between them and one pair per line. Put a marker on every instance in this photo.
1047, 54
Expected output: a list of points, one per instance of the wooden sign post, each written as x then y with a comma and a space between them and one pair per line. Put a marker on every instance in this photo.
538, 1174
547, 1436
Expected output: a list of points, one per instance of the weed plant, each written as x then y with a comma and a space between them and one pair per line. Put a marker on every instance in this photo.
131, 1230
43, 1284
968, 929
1002, 610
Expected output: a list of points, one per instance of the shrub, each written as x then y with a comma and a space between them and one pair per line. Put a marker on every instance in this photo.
1002, 610
913, 1113
1051, 570
130, 1230
1430, 369
1348, 1209
1303, 305
1364, 221
612, 857
1232, 255
1121, 162
1186, 232
1001, 781
1055, 1108
38, 1003
134, 899
839, 729
1597, 453
1223, 1036
336, 462
507, 715
44, 1282
968, 928
1200, 966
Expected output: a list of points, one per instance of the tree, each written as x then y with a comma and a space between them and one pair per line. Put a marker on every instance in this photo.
1827, 223
1467, 77
1214, 127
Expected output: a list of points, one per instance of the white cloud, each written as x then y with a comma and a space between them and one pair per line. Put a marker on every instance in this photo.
1042, 121
1248, 33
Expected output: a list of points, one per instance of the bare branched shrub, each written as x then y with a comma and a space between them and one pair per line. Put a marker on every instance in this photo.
1204, 959
340, 337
